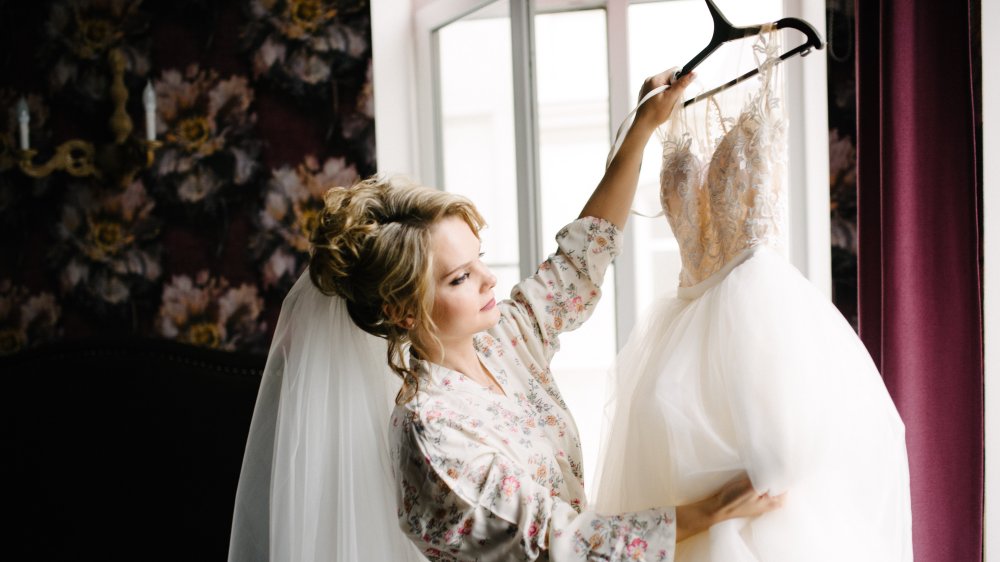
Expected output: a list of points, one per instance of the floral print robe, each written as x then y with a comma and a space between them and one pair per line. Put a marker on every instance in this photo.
483, 476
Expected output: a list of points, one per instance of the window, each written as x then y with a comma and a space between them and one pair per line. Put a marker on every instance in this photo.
477, 129
519, 104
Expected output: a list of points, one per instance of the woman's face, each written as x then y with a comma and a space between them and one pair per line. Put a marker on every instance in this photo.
463, 286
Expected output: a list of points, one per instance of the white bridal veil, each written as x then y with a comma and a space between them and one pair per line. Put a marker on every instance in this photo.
316, 482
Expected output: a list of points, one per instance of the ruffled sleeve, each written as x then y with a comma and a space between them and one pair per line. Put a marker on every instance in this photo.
562, 293
461, 499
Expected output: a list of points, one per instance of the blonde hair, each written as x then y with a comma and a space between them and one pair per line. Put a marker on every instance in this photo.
372, 247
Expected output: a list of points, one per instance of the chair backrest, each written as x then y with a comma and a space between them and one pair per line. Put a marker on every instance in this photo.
126, 449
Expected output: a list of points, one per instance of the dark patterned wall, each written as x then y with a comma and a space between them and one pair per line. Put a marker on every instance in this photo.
261, 105
843, 157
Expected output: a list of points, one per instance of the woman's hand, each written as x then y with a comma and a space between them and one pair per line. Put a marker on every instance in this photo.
658, 108
736, 498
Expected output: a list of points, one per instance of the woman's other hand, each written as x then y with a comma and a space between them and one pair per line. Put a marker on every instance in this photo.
736, 498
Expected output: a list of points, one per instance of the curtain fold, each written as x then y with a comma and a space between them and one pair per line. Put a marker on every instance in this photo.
919, 278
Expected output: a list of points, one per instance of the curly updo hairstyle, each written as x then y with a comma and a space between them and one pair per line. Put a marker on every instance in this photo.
372, 247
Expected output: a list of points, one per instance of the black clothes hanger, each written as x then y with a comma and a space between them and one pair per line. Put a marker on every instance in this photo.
725, 32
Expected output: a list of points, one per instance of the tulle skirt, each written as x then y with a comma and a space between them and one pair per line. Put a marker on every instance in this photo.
754, 370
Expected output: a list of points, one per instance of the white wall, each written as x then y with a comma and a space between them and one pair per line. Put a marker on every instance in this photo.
991, 272
394, 79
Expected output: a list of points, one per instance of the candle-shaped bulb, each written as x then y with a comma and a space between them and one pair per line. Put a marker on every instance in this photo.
23, 118
149, 102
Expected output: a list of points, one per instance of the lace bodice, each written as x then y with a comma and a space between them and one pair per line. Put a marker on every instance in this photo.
724, 196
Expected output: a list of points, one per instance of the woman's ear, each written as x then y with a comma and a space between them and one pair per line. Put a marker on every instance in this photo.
395, 316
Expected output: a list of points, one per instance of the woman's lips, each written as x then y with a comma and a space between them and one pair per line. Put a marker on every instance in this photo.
489, 305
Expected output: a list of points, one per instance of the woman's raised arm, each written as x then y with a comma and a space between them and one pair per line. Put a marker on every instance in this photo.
613, 196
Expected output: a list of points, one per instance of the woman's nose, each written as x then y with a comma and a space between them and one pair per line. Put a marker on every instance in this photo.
489, 280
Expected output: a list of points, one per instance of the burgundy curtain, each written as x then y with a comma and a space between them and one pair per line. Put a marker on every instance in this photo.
920, 311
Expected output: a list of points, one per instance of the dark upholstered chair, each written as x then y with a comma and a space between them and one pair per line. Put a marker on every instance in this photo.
124, 450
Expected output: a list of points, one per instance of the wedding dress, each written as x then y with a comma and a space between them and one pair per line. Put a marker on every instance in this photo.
750, 368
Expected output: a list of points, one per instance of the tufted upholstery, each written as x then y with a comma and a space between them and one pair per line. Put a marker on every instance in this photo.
125, 450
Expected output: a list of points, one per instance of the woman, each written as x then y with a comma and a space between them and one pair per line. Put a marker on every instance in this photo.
486, 459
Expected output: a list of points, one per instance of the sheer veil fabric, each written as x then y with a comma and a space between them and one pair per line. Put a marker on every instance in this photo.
316, 482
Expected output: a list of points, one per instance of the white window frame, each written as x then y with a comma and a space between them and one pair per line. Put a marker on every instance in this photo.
809, 202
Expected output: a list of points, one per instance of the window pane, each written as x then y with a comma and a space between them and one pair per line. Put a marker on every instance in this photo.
477, 124
572, 83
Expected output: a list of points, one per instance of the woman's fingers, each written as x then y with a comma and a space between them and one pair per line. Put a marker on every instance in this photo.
658, 108
739, 499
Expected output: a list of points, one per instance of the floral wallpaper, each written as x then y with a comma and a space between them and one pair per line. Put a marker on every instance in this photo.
260, 106
841, 92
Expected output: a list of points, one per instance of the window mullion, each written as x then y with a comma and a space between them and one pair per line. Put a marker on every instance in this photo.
619, 104
526, 133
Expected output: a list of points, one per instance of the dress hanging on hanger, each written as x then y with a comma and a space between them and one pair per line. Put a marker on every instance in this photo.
747, 367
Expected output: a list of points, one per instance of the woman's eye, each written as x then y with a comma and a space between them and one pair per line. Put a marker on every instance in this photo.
461, 279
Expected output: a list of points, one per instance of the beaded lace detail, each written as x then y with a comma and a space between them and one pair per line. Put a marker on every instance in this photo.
736, 200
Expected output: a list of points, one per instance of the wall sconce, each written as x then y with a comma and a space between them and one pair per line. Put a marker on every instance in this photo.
115, 163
